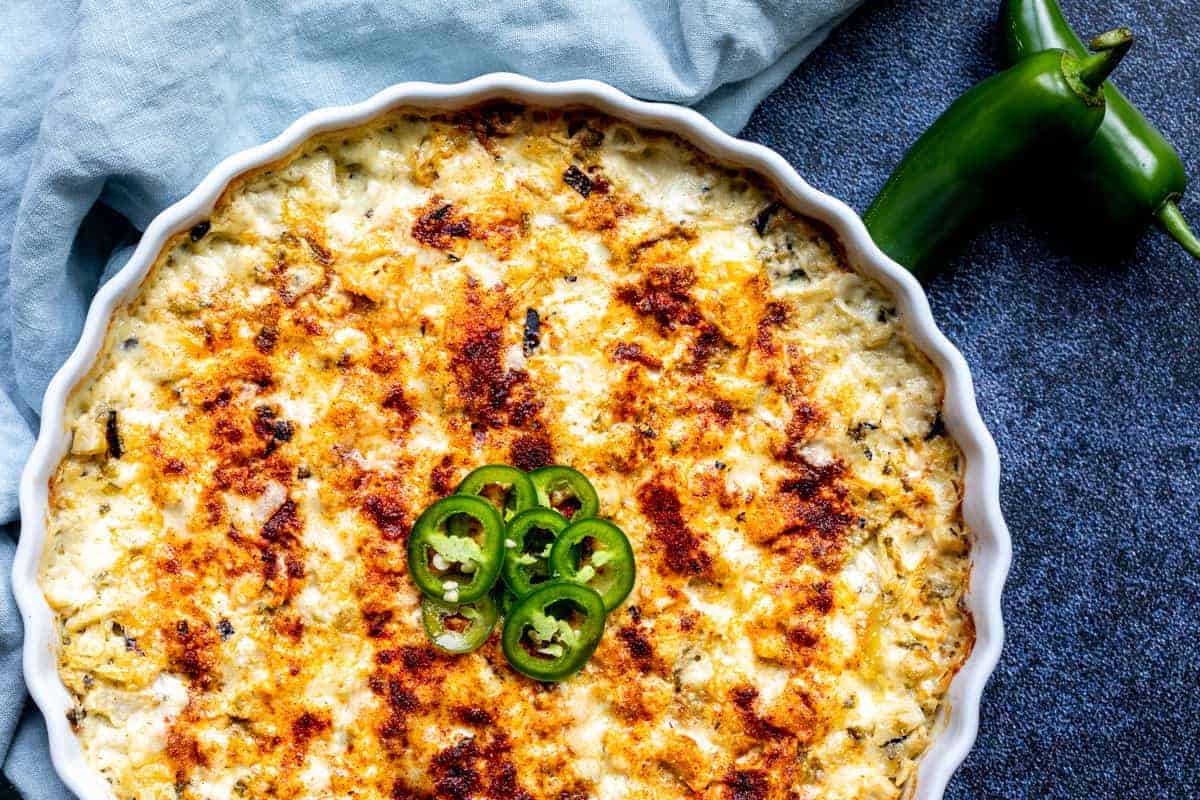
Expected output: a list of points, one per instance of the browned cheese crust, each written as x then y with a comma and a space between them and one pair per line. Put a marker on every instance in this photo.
349, 335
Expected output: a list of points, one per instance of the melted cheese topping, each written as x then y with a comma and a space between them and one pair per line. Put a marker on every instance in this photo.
347, 337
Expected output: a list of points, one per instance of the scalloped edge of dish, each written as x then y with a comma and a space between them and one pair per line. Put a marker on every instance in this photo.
991, 545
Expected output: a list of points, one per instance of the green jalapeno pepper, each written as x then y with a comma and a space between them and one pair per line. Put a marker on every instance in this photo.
459, 628
457, 564
1131, 171
528, 540
505, 599
1045, 102
566, 491
509, 489
551, 633
596, 553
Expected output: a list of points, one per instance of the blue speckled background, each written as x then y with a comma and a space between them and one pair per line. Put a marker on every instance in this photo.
1087, 362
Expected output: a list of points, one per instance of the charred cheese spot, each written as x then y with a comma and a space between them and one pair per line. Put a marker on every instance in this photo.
356, 327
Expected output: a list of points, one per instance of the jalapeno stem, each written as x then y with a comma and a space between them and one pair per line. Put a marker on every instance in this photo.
1111, 47
1174, 224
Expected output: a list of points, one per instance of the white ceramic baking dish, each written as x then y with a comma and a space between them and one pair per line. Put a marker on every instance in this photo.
991, 548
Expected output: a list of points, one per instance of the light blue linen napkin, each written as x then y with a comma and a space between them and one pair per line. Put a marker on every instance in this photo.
115, 109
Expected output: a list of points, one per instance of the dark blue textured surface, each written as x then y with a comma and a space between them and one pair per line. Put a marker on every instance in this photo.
1087, 362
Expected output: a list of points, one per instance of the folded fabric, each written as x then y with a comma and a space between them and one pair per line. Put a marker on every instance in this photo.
115, 110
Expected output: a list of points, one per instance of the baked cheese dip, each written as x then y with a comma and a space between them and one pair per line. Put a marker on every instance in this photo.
359, 326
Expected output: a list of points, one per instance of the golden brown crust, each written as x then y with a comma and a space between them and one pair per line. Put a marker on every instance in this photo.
362, 323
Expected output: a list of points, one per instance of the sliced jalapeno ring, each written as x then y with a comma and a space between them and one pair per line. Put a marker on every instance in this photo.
528, 541
459, 628
566, 491
551, 633
596, 553
508, 488
457, 564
